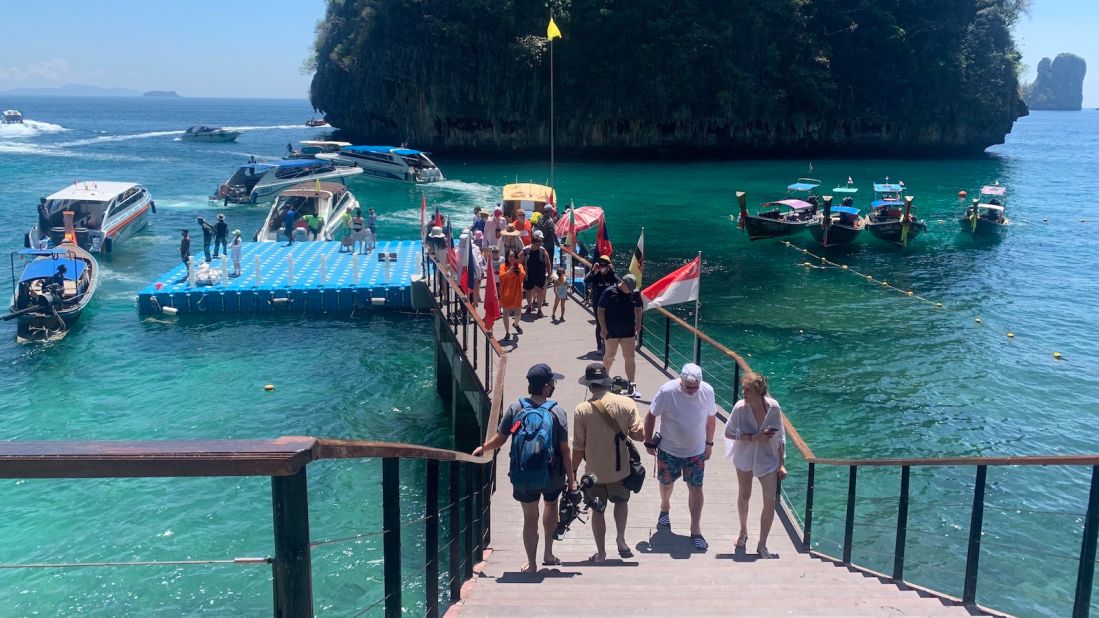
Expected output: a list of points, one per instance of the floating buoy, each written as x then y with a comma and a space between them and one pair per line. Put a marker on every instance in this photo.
806, 264
869, 278
938, 305
844, 266
1011, 335
269, 387
169, 310
801, 332
978, 320
158, 285
885, 283
941, 222
908, 293
962, 195
1057, 355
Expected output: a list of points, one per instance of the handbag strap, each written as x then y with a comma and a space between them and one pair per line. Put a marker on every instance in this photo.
619, 434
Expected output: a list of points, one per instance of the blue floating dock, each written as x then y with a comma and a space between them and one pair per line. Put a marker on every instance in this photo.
380, 283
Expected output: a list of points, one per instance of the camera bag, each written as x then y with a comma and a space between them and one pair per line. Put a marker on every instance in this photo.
636, 478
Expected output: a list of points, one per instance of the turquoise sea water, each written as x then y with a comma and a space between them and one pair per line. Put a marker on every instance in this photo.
861, 370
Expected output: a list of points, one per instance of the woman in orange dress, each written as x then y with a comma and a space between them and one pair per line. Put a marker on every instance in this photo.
512, 274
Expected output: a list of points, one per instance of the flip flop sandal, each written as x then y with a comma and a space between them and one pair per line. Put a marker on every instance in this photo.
741, 542
763, 553
663, 521
625, 553
554, 562
699, 542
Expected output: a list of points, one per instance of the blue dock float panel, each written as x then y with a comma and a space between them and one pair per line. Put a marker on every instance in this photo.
390, 280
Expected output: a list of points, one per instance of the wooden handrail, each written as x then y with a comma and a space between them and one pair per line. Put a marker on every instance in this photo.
334, 448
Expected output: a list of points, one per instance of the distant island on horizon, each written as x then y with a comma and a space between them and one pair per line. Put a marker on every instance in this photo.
169, 94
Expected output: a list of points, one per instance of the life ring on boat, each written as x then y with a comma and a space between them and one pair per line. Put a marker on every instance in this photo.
223, 190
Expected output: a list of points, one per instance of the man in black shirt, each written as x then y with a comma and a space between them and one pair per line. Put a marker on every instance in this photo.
601, 277
185, 253
221, 236
619, 316
207, 236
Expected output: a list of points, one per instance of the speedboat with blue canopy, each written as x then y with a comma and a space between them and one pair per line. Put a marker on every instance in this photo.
892, 216
783, 217
986, 215
839, 225
253, 183
395, 163
54, 287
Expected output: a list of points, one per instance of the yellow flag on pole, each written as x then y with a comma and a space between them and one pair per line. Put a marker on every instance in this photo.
552, 31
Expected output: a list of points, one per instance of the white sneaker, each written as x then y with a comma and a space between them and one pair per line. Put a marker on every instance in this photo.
636, 394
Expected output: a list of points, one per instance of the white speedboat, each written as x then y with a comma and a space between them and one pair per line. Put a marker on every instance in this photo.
12, 116
103, 213
209, 134
389, 163
253, 183
329, 201
311, 148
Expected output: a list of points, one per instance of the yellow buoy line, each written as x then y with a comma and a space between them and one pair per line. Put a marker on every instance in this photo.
870, 278
825, 263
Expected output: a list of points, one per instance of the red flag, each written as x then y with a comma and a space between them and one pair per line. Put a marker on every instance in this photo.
678, 287
438, 218
423, 216
603, 245
492, 301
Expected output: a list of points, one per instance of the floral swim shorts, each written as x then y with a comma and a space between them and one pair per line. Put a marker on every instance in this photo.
669, 468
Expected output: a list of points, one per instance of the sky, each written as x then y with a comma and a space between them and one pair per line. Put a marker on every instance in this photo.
256, 48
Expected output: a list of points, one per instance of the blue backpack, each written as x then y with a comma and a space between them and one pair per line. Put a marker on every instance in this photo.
532, 447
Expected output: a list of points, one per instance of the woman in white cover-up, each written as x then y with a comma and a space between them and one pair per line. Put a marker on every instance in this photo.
756, 442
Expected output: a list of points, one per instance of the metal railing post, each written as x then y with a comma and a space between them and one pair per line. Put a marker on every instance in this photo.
391, 534
736, 382
667, 339
849, 526
973, 556
490, 474
431, 539
465, 325
455, 536
1086, 573
902, 526
476, 336
475, 481
292, 570
698, 350
807, 532
467, 494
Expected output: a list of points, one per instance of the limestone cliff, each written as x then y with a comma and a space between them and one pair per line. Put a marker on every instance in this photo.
1059, 85
650, 77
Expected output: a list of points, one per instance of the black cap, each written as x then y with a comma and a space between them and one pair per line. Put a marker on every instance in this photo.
595, 373
542, 374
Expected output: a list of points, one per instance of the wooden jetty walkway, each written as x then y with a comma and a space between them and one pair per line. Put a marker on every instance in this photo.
666, 576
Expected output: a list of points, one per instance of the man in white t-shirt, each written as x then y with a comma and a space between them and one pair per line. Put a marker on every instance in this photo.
686, 409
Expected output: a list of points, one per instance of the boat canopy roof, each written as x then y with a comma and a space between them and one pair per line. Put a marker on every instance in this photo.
795, 204
851, 210
92, 191
880, 203
302, 163
996, 190
847, 190
803, 184
40, 269
309, 189
888, 187
405, 152
528, 191
323, 144
990, 207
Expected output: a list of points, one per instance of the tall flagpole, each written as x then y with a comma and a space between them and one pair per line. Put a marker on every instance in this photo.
698, 341
551, 110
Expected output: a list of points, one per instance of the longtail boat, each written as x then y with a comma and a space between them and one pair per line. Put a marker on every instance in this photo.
986, 214
783, 217
892, 216
842, 224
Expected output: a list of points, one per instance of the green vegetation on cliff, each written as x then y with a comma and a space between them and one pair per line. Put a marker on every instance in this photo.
1059, 85
735, 77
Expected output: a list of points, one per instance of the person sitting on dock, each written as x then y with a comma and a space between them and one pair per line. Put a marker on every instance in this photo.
686, 408
601, 426
536, 473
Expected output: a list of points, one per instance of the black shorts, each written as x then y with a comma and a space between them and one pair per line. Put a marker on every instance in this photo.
534, 280
526, 497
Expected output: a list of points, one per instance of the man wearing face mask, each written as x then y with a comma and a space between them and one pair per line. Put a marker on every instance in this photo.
686, 409
536, 473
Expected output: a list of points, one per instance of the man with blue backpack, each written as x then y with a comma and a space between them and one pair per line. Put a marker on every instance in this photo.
541, 461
